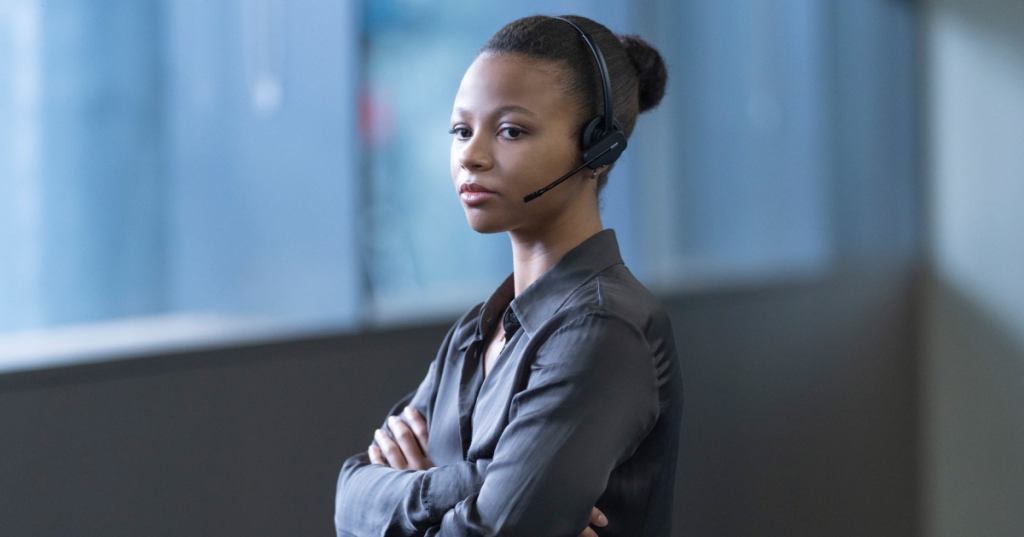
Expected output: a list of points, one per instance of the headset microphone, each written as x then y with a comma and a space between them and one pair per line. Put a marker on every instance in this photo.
602, 138
536, 194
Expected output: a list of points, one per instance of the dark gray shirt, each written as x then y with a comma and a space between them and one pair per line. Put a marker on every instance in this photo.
582, 408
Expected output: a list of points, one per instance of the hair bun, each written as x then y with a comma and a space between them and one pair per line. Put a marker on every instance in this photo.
650, 70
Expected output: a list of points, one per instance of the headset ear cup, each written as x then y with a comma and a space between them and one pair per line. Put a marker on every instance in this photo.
591, 133
597, 142
606, 150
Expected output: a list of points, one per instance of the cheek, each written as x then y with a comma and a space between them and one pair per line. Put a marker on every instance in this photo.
453, 162
550, 157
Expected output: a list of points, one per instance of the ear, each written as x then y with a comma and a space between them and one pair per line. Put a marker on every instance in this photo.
600, 170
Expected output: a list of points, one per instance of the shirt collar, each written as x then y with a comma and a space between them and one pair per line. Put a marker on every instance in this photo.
545, 296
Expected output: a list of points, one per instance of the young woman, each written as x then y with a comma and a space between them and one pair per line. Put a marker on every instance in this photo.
554, 405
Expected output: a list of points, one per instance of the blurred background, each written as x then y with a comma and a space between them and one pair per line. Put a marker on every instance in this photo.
229, 242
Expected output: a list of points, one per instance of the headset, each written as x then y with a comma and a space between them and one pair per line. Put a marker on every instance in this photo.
602, 138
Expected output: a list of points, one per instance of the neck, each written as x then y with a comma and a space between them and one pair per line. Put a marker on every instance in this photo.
534, 252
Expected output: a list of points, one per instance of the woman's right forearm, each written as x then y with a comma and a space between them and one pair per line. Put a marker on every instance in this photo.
371, 497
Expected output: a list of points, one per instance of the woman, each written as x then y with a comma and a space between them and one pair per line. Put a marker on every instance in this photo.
566, 413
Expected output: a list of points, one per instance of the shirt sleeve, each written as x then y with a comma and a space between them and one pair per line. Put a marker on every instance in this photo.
590, 400
375, 499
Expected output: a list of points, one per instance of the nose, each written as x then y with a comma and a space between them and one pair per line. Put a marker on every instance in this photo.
475, 154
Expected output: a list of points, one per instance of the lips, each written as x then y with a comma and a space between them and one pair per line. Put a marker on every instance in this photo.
473, 187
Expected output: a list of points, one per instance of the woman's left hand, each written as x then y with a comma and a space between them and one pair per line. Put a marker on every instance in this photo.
405, 447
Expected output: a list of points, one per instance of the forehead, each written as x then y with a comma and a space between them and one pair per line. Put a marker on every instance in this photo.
497, 80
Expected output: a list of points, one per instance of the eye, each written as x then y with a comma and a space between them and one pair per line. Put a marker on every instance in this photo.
514, 133
459, 131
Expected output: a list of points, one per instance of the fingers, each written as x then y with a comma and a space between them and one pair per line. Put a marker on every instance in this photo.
376, 457
597, 518
392, 452
402, 444
408, 443
418, 425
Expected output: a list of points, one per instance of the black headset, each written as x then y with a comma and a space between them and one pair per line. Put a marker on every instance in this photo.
602, 138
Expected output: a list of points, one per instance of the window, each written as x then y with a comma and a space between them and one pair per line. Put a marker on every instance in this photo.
187, 166
251, 167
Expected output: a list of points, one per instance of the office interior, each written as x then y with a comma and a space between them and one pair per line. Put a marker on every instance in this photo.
229, 243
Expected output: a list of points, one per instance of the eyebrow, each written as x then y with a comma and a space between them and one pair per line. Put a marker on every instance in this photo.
503, 110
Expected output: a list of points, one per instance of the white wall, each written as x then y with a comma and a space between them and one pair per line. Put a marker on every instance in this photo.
973, 372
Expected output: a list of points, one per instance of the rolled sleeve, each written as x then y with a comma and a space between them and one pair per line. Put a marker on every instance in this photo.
590, 400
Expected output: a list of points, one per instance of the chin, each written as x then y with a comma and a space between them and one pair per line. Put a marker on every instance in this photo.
484, 224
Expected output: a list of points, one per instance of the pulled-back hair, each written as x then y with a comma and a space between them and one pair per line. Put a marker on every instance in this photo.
635, 69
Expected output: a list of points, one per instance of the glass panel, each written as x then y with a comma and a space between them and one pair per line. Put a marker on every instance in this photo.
183, 158
287, 163
740, 151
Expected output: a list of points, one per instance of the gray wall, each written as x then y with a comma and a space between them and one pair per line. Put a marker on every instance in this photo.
973, 374
800, 420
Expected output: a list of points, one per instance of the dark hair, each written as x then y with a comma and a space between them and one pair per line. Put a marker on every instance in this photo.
635, 68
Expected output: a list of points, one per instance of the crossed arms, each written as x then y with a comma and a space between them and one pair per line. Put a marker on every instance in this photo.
590, 400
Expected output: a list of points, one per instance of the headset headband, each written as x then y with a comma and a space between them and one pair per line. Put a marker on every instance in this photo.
603, 69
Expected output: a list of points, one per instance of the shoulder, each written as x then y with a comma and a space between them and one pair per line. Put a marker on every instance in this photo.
611, 315
615, 296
